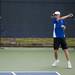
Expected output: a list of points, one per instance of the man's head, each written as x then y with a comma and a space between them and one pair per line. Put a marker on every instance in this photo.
57, 14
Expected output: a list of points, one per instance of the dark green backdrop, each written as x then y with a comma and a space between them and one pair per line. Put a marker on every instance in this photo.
31, 18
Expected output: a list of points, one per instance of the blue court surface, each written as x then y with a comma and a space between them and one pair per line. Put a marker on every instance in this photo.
29, 73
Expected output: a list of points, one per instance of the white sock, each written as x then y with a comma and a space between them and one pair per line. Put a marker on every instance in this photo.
68, 61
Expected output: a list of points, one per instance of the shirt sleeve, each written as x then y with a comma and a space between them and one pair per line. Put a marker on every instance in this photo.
54, 21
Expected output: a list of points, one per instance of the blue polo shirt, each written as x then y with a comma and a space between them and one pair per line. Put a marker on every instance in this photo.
58, 31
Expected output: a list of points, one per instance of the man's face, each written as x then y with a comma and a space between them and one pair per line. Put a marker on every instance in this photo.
57, 16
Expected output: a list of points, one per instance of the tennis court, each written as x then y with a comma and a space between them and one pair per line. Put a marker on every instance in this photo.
26, 42
31, 73
34, 59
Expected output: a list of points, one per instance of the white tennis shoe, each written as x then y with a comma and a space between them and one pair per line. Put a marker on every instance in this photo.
69, 66
55, 63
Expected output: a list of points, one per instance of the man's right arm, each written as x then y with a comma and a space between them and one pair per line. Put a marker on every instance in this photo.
67, 16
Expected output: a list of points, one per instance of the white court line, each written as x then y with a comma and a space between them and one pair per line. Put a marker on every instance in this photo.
13, 73
58, 73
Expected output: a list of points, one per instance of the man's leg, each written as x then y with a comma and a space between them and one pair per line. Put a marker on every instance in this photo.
56, 54
56, 47
68, 58
56, 58
66, 52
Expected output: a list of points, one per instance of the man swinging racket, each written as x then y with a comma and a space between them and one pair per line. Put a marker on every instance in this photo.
59, 37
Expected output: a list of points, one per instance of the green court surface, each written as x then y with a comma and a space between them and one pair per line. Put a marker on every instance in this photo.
34, 59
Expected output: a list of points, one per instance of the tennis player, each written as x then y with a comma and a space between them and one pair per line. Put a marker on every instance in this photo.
59, 37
